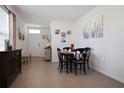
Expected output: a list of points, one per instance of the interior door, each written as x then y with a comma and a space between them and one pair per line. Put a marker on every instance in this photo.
35, 45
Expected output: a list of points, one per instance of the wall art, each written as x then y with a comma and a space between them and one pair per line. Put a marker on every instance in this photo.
69, 32
63, 37
57, 31
93, 29
21, 36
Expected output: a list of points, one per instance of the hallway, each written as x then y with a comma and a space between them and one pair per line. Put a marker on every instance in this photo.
41, 74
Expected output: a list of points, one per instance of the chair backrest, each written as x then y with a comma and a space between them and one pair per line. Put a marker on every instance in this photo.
59, 55
87, 48
66, 48
66, 57
58, 50
88, 52
80, 54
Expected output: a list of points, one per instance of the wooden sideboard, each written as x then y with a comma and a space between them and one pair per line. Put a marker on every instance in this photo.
10, 66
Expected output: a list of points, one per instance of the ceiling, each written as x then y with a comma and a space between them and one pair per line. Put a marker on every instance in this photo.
44, 14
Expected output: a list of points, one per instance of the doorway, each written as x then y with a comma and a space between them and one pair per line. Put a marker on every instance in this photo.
35, 42
37, 39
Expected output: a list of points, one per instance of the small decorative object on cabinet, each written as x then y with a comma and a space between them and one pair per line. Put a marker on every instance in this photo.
48, 50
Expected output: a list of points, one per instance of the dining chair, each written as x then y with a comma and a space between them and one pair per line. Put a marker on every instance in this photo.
88, 52
66, 48
80, 58
58, 52
65, 60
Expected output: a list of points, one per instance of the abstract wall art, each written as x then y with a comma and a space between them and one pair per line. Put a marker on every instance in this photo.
93, 29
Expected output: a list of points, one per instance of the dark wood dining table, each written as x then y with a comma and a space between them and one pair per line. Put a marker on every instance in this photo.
68, 53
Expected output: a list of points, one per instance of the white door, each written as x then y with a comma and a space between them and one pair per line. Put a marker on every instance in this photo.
38, 41
35, 44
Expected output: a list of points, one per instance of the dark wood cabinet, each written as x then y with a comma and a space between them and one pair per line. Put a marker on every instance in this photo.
10, 66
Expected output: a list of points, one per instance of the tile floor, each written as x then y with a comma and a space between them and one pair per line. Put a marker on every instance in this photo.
41, 74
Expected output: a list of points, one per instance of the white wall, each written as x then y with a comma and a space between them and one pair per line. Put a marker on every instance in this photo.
56, 39
109, 50
20, 44
23, 44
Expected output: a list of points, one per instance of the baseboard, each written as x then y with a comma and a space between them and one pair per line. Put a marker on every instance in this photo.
111, 76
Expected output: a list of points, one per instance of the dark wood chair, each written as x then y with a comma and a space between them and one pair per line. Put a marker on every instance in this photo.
80, 58
58, 52
62, 62
88, 52
65, 60
66, 48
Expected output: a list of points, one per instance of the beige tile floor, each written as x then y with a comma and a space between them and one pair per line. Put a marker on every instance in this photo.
41, 74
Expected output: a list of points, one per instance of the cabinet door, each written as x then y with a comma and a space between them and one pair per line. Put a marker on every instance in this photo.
48, 54
12, 66
0, 73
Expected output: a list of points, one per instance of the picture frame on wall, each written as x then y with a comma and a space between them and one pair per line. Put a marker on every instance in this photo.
57, 31
20, 35
94, 30
23, 37
63, 37
69, 32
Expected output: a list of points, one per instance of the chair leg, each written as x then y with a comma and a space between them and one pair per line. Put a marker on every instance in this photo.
80, 67
70, 66
61, 67
75, 69
84, 68
27, 59
30, 57
67, 68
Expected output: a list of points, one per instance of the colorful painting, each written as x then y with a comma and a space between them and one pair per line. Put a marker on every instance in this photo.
94, 29
63, 37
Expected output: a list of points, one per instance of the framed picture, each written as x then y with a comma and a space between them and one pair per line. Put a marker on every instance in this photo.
63, 37
43, 36
20, 35
94, 30
69, 32
57, 31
